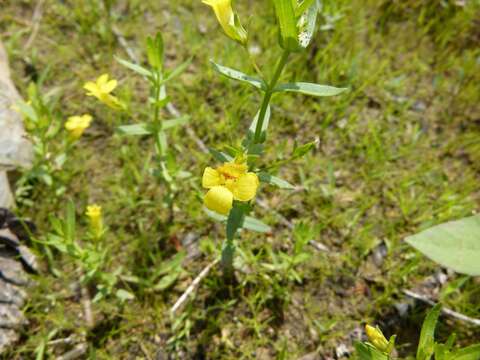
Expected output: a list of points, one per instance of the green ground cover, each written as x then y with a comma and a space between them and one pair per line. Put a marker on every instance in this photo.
398, 153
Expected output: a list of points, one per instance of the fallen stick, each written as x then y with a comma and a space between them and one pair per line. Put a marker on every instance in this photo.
75, 353
193, 286
36, 19
445, 310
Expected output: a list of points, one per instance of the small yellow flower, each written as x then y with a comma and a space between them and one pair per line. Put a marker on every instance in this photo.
94, 214
101, 89
377, 338
228, 182
226, 17
76, 125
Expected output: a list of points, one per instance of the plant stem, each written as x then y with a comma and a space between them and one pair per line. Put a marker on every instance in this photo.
228, 252
268, 95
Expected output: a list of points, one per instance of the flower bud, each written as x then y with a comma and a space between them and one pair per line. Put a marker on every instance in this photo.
376, 337
228, 19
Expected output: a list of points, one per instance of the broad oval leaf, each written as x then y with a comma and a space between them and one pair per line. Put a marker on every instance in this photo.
310, 89
455, 244
237, 75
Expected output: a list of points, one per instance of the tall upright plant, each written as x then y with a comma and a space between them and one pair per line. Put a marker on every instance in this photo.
232, 186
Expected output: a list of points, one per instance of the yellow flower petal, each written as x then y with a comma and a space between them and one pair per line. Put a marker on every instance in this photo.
92, 89
245, 188
109, 86
211, 178
219, 199
76, 125
102, 80
233, 170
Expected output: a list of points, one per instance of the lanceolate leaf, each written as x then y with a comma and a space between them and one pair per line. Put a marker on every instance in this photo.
134, 129
427, 335
253, 125
135, 67
249, 222
177, 71
310, 89
469, 353
253, 224
237, 75
455, 244
182, 120
282, 184
368, 352
220, 156
288, 24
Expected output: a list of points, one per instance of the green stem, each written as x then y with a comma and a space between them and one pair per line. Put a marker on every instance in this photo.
228, 252
268, 95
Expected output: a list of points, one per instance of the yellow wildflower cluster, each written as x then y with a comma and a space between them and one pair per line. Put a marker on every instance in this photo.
226, 183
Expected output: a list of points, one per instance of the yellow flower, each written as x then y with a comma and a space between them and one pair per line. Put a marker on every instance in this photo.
94, 214
377, 338
228, 19
226, 183
76, 125
101, 89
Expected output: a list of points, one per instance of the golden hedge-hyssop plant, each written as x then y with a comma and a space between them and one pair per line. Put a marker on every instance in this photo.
233, 184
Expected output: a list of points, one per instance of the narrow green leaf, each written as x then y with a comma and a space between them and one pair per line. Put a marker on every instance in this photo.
249, 222
469, 353
70, 222
155, 48
134, 67
253, 224
177, 71
273, 180
134, 129
302, 150
182, 120
219, 155
427, 335
237, 75
454, 244
235, 221
266, 121
310, 89
288, 24
168, 280
368, 352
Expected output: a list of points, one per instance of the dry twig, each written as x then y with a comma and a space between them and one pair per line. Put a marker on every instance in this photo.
75, 353
193, 286
36, 18
446, 311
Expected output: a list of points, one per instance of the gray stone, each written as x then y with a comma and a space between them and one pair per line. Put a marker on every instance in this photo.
15, 148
